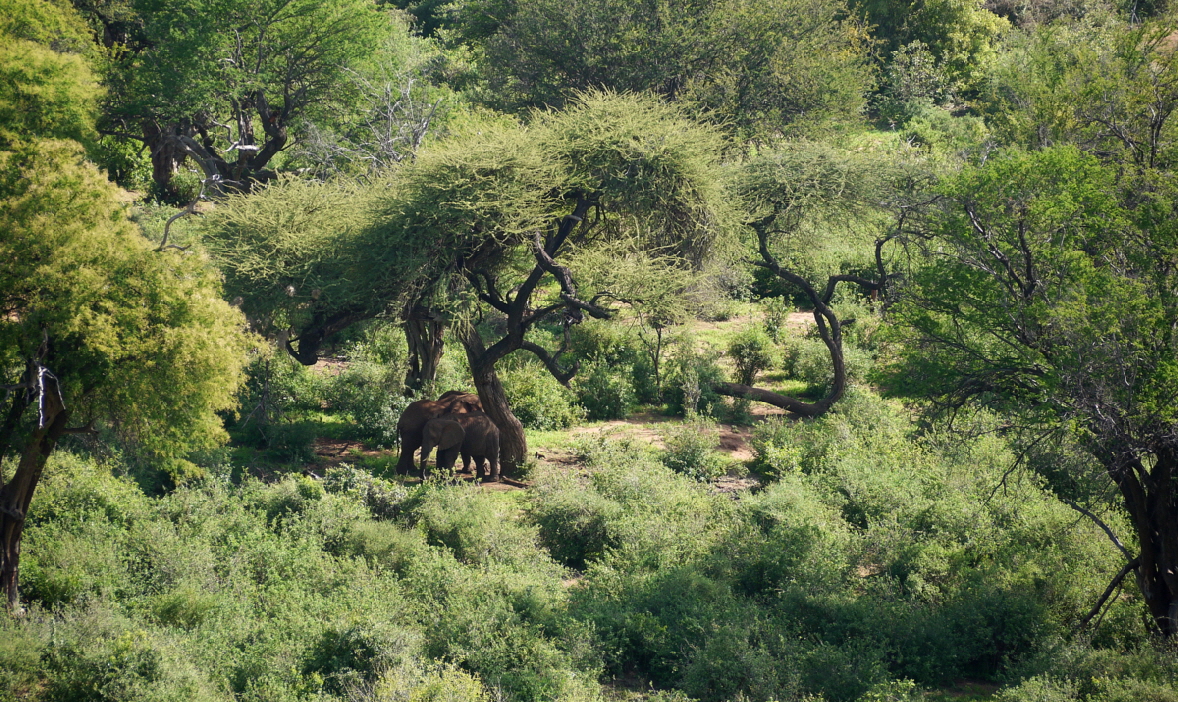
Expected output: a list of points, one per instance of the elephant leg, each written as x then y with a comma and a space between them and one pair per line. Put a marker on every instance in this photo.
446, 460
409, 443
466, 462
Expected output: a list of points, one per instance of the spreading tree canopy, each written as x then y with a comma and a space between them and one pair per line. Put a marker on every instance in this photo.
225, 83
1041, 292
98, 330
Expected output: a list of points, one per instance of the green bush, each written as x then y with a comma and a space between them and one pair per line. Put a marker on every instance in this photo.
605, 392
690, 382
812, 364
777, 311
751, 351
691, 450
538, 400
369, 388
601, 341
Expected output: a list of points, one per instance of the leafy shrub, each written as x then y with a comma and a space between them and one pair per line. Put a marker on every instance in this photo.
538, 400
646, 389
1040, 689
777, 311
370, 391
691, 380
813, 366
751, 351
863, 332
429, 683
383, 498
691, 450
574, 520
605, 392
600, 341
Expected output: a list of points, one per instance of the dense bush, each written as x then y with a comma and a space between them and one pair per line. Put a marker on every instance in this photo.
876, 562
777, 311
809, 361
691, 450
751, 351
606, 392
691, 378
538, 400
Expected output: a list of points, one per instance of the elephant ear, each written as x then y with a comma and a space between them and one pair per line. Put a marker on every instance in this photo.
453, 434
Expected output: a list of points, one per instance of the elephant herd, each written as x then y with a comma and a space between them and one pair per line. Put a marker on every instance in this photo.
454, 424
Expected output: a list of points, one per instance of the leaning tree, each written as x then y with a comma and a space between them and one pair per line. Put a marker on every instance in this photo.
506, 206
806, 197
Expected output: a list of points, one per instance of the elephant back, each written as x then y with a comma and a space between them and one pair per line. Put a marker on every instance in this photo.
459, 402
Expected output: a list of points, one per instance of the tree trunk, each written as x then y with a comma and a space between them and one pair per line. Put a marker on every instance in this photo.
513, 443
166, 156
1149, 499
424, 333
17, 494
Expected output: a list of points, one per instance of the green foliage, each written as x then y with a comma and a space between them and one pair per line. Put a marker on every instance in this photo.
295, 252
538, 400
691, 450
125, 163
777, 311
47, 89
370, 387
959, 35
810, 362
606, 392
259, 66
691, 380
142, 338
752, 351
761, 67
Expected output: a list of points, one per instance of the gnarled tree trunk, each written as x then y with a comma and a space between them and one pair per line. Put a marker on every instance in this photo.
1149, 497
513, 443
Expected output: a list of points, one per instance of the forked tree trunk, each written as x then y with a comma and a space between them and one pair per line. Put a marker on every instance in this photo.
17, 494
513, 443
424, 334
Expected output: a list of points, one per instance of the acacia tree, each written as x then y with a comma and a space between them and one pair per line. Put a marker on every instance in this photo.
790, 195
224, 83
505, 207
307, 260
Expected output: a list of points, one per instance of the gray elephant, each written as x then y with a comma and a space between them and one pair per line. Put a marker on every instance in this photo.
445, 434
481, 442
413, 419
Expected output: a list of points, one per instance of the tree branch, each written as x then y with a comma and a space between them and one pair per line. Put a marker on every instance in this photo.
561, 374
565, 278
1128, 568
1100, 523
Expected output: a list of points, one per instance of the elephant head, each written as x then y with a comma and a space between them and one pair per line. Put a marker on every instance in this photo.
445, 434
481, 442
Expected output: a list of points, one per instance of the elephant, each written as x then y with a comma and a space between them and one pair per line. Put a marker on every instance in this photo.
481, 442
413, 419
447, 435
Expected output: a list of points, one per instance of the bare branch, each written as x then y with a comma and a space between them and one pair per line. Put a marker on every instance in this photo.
1128, 568
563, 375
565, 278
1100, 523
